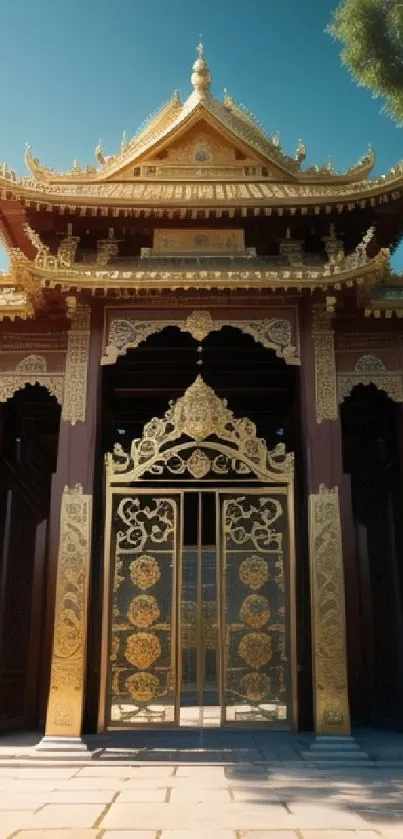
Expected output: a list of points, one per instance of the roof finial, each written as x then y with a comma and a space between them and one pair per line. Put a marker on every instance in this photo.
201, 76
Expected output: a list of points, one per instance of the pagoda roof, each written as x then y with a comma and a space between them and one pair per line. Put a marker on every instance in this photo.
152, 169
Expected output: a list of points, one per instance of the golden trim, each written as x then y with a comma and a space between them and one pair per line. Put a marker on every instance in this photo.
390, 383
10, 384
325, 367
331, 703
286, 492
75, 386
199, 415
109, 567
67, 682
273, 333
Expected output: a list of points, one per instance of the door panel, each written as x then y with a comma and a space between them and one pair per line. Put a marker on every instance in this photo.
143, 678
255, 616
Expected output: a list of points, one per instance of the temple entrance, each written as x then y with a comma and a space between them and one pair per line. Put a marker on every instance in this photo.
29, 429
199, 626
372, 457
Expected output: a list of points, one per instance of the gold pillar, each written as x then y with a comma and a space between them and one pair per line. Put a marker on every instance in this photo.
67, 682
331, 703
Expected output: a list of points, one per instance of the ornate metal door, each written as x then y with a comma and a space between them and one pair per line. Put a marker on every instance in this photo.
256, 619
229, 618
142, 678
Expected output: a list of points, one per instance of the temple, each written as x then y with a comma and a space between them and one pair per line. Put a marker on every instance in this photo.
201, 435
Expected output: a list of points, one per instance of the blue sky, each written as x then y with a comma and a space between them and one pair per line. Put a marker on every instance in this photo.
76, 72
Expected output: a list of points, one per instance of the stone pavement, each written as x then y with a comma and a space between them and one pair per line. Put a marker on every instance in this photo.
178, 800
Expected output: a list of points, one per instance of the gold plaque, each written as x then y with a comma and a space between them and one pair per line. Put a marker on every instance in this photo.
199, 241
256, 649
142, 649
255, 686
143, 611
255, 611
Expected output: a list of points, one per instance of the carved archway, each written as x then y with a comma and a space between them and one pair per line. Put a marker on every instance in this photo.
199, 437
370, 370
128, 333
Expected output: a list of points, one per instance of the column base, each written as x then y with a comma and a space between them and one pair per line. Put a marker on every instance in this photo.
63, 747
336, 751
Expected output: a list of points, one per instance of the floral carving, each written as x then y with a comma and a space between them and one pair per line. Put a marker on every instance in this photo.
254, 572
31, 364
143, 611
273, 333
256, 648
143, 649
143, 687
231, 445
145, 572
255, 686
328, 616
255, 611
68, 657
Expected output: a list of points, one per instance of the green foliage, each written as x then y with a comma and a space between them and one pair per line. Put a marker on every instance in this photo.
371, 32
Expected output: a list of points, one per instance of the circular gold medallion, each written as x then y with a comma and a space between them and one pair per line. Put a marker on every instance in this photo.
255, 611
255, 686
255, 649
143, 686
142, 649
145, 572
254, 572
143, 611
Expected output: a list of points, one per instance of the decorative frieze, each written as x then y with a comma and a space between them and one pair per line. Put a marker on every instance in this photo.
75, 387
331, 705
370, 370
128, 333
325, 366
66, 697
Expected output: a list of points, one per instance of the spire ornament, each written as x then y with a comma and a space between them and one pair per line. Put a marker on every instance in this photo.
201, 76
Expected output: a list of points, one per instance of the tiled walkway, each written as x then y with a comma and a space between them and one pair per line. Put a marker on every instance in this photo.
181, 801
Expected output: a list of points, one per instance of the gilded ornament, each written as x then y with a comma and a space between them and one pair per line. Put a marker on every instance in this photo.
198, 414
31, 364
390, 383
255, 610
70, 629
254, 572
246, 522
369, 364
256, 648
75, 383
255, 686
325, 367
143, 611
145, 572
143, 687
273, 333
68, 633
198, 464
145, 520
143, 649
328, 614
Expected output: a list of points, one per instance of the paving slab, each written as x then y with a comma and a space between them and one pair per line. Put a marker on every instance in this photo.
339, 834
64, 816
58, 834
198, 834
129, 834
206, 816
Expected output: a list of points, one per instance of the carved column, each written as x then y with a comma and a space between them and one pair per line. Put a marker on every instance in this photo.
331, 529
69, 536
